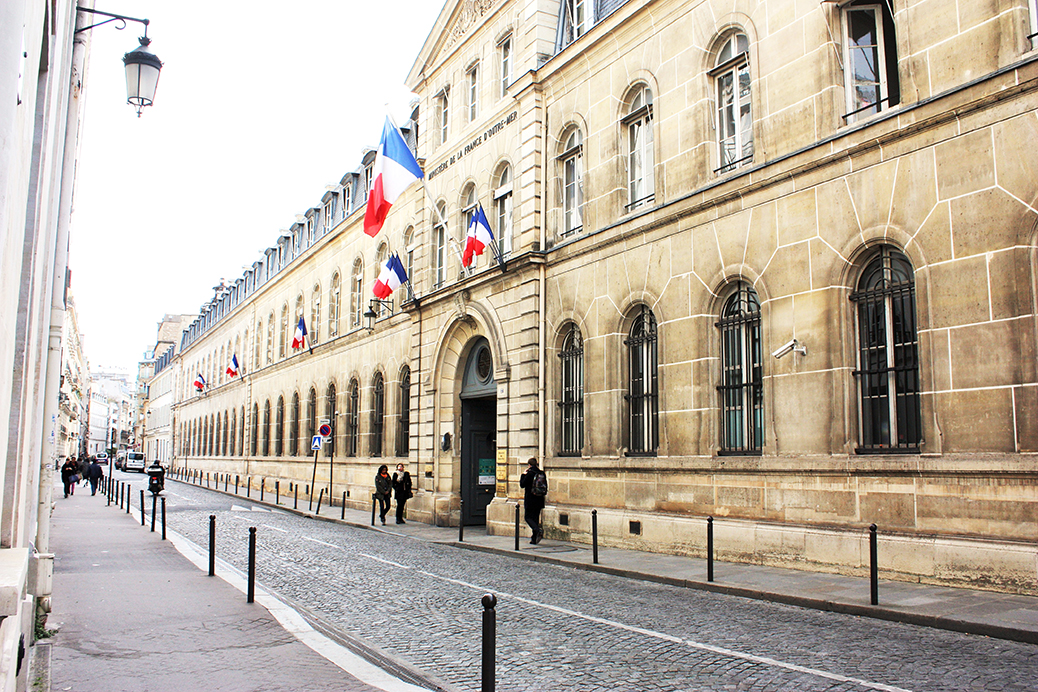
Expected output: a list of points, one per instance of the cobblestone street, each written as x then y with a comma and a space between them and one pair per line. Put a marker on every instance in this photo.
566, 629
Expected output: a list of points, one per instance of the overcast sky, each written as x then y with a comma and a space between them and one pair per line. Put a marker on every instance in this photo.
260, 105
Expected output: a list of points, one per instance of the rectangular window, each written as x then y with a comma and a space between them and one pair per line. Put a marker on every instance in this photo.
443, 113
1033, 35
506, 65
440, 248
472, 79
870, 60
329, 212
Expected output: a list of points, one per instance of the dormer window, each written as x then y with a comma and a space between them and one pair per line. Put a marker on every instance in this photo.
576, 20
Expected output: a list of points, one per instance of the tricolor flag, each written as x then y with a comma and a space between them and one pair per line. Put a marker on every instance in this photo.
394, 170
299, 340
199, 382
478, 237
232, 369
390, 278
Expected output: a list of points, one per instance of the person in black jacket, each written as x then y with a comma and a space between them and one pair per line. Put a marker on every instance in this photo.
383, 490
533, 498
68, 471
94, 474
402, 491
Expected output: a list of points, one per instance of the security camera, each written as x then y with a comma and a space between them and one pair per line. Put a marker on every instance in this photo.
789, 347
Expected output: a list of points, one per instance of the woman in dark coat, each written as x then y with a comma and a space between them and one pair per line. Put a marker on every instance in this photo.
402, 491
69, 469
383, 488
533, 500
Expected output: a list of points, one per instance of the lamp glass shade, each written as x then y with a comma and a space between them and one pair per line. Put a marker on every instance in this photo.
142, 75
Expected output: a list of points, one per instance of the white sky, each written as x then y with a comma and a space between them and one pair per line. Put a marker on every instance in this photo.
260, 105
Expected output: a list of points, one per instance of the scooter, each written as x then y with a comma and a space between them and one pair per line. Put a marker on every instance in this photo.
156, 479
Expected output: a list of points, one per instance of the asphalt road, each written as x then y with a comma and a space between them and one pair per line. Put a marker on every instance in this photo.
565, 629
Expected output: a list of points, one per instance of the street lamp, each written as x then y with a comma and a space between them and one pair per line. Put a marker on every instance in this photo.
142, 66
372, 315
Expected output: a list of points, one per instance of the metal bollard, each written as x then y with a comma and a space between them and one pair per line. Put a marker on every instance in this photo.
873, 566
517, 526
226, 480
489, 642
142, 508
248, 486
207, 479
237, 478
343, 517
295, 497
128, 498
263, 485
461, 521
107, 487
374, 502
310, 495
212, 545
594, 536
320, 498
709, 548
154, 506
163, 518
252, 565
277, 492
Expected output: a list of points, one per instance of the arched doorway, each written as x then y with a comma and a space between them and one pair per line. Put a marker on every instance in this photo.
478, 434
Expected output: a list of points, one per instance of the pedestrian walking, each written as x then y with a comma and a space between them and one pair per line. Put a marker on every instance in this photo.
402, 491
94, 474
534, 483
383, 489
69, 477
84, 468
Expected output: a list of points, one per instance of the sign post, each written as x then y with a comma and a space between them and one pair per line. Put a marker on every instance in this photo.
325, 430
315, 444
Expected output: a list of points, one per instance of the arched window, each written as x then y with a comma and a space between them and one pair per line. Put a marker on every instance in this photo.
241, 433
380, 259
311, 427
410, 248
334, 305
439, 244
742, 374
226, 435
284, 338
270, 339
378, 414
258, 351
219, 374
356, 293
571, 170
244, 350
254, 446
232, 446
888, 355
731, 75
314, 328
571, 403
266, 428
637, 126
329, 445
643, 393
293, 428
279, 428
352, 417
298, 314
468, 209
503, 209
403, 433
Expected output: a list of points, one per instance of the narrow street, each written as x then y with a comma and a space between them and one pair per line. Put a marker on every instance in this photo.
565, 629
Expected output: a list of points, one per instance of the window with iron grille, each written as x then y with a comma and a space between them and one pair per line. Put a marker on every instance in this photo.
279, 428
643, 394
329, 444
311, 422
241, 433
352, 417
226, 433
741, 390
403, 434
234, 434
293, 427
254, 446
571, 404
888, 356
378, 414
218, 435
266, 429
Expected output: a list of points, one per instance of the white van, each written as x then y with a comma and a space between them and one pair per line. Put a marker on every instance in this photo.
134, 462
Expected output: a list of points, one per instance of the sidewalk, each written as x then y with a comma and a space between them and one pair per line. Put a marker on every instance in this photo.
986, 613
134, 614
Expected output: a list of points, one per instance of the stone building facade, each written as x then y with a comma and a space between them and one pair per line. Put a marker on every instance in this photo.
772, 262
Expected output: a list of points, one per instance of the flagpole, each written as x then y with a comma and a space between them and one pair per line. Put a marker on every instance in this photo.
446, 230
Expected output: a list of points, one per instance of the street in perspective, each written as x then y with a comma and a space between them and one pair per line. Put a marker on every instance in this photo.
408, 598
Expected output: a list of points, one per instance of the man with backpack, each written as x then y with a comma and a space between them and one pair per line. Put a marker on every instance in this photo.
535, 485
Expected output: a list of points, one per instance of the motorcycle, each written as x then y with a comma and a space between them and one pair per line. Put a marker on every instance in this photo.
156, 479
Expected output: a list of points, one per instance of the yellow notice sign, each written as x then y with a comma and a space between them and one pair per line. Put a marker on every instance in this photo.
502, 465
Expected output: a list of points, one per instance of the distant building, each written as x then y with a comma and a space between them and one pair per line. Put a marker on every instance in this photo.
771, 262
156, 377
75, 385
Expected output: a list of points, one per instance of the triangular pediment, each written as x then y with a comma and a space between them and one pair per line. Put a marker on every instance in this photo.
456, 21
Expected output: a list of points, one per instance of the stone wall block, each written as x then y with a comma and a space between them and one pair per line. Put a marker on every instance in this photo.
872, 191
732, 235
789, 272
915, 190
947, 69
988, 221
887, 508
958, 292
800, 419
1025, 400
1009, 272
706, 255
977, 420
994, 354
837, 218
965, 164
1016, 167
797, 217
763, 237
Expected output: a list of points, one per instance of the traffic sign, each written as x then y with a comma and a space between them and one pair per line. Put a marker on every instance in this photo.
317, 442
325, 430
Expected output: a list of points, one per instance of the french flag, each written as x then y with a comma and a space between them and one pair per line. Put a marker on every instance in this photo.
232, 369
390, 278
394, 170
479, 236
199, 382
299, 340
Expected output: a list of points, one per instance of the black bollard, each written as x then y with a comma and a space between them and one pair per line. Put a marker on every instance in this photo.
374, 503
517, 526
252, 565
320, 498
594, 536
207, 479
212, 545
142, 508
237, 478
248, 486
873, 566
310, 495
709, 548
226, 480
489, 642
263, 485
295, 497
127, 498
154, 506
107, 490
163, 518
277, 492
461, 521
343, 517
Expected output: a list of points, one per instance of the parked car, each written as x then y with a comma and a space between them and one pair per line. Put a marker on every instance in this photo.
120, 458
134, 462
102, 458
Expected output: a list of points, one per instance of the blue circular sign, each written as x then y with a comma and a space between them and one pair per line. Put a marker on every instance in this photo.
325, 430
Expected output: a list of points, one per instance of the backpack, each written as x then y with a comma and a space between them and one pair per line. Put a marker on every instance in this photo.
539, 487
